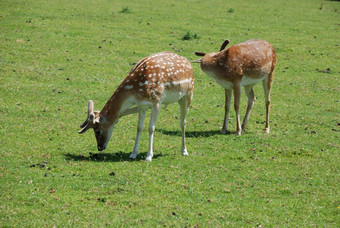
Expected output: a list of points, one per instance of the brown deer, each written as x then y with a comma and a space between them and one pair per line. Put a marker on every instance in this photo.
161, 78
244, 64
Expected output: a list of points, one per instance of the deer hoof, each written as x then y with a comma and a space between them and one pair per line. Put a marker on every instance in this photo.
243, 128
223, 131
148, 159
133, 155
185, 153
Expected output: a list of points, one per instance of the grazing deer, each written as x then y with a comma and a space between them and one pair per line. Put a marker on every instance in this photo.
244, 64
161, 78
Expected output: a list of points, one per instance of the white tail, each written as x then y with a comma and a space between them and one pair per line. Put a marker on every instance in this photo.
161, 78
244, 64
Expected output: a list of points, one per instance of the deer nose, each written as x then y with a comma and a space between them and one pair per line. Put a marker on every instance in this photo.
101, 148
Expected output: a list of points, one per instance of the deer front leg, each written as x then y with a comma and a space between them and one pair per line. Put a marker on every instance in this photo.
237, 95
141, 117
153, 119
228, 94
251, 100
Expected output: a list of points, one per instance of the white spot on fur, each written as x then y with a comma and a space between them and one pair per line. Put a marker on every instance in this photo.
128, 87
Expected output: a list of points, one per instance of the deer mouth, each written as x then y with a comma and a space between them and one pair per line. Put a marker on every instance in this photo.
101, 148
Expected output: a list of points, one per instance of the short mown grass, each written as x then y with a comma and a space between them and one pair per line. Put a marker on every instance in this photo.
56, 55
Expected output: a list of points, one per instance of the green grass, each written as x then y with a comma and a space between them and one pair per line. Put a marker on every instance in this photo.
190, 36
56, 55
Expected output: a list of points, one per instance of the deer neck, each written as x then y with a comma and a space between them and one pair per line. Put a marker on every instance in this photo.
214, 69
119, 102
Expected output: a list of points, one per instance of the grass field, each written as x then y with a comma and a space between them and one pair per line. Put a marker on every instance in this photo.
56, 55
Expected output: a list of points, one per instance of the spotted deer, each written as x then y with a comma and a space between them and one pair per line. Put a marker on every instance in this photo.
161, 78
244, 64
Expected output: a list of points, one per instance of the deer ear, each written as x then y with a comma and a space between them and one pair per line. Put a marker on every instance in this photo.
198, 53
84, 124
225, 43
84, 129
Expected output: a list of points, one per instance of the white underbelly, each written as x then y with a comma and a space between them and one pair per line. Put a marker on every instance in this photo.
224, 84
246, 81
172, 96
250, 81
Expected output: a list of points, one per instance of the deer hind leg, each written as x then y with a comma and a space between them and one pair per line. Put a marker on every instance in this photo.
228, 94
251, 100
184, 108
141, 117
267, 84
237, 96
153, 119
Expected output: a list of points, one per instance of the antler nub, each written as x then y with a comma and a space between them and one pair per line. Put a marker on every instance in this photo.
90, 107
225, 43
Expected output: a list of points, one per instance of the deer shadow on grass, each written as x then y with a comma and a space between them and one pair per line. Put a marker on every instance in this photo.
191, 134
108, 157
124, 156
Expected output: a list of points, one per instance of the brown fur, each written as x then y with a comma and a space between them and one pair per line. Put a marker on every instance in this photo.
146, 77
148, 85
254, 59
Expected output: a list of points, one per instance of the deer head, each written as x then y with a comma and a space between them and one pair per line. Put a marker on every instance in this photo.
198, 53
99, 124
